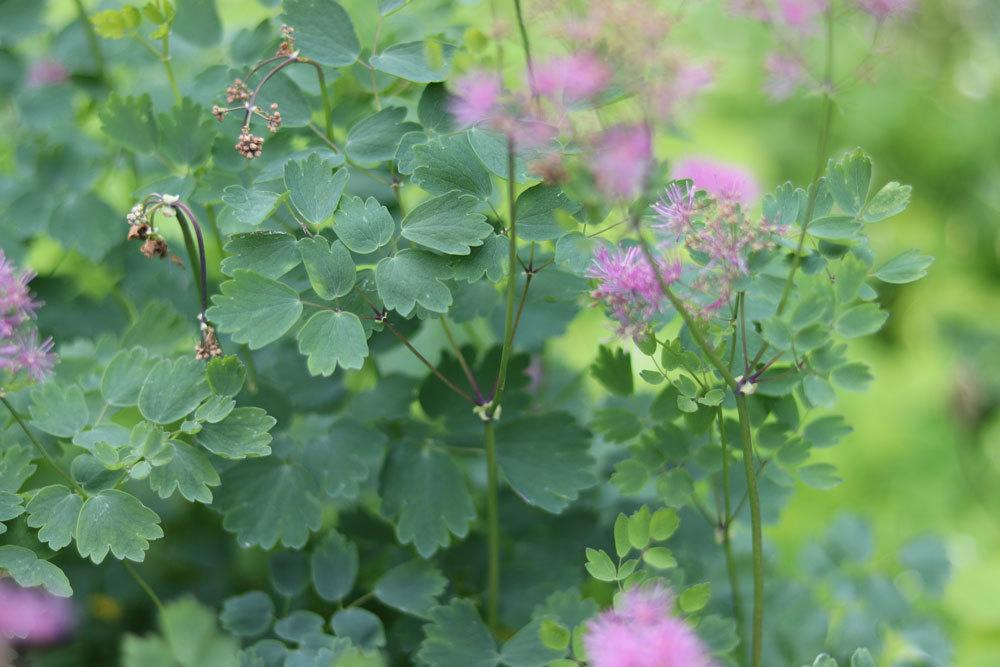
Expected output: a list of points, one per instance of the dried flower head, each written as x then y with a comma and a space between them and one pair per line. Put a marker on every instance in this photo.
219, 112
237, 91
249, 145
641, 631
20, 348
287, 46
273, 119
209, 346
155, 246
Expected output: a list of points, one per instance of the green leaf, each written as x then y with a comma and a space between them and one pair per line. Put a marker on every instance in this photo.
330, 339
777, 333
448, 163
80, 223
849, 180
861, 320
412, 277
109, 23
719, 634
905, 268
226, 375
172, 390
891, 200
361, 626
546, 458
820, 476
129, 121
334, 567
416, 61
250, 207
314, 187
254, 309
526, 648
457, 637
616, 424
853, 377
289, 572
448, 223
197, 21
576, 251
424, 493
600, 566
490, 260
115, 521
555, 635
124, 377
330, 267
824, 660
186, 133
29, 570
374, 139
826, 431
818, 391
193, 637
432, 109
300, 626
835, 228
59, 409
659, 557
364, 226
613, 369
664, 523
341, 454
188, 471
15, 467
537, 209
244, 433
323, 31
412, 587
10, 508
622, 544
862, 658
247, 615
850, 278
271, 254
54, 510
694, 598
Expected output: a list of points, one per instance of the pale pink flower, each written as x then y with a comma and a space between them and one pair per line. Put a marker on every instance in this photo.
628, 287
723, 181
476, 99
784, 74
570, 79
676, 209
33, 616
641, 631
46, 72
884, 9
801, 15
621, 160
20, 349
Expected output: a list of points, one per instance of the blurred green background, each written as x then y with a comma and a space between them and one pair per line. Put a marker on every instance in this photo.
925, 453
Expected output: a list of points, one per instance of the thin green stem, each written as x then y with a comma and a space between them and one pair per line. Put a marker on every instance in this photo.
493, 528
524, 35
753, 494
165, 59
93, 42
324, 94
38, 445
143, 585
469, 376
727, 546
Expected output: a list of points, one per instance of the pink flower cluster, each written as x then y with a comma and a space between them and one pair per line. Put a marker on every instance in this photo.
885, 9
641, 631
32, 615
628, 286
20, 349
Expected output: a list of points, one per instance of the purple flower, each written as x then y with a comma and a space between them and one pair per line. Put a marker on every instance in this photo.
628, 286
32, 615
20, 350
723, 181
884, 9
676, 209
621, 160
570, 79
476, 99
784, 74
801, 15
641, 632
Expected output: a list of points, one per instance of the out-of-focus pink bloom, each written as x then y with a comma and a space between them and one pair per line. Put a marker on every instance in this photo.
884, 9
754, 9
723, 181
628, 286
20, 350
622, 156
570, 79
476, 99
801, 15
641, 632
46, 72
32, 615
676, 210
784, 74
29, 355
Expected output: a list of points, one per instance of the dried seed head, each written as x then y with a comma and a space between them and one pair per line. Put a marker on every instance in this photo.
155, 246
218, 112
249, 145
287, 41
209, 346
237, 91
139, 231
137, 216
274, 120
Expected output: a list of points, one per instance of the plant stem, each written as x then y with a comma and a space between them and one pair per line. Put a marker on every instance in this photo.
93, 42
165, 59
493, 527
440, 376
753, 494
38, 445
325, 95
727, 546
144, 586
461, 360
185, 216
524, 35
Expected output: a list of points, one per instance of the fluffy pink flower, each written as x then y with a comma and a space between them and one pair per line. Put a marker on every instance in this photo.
641, 632
476, 99
33, 616
723, 181
801, 15
784, 74
570, 79
883, 9
621, 160
20, 350
628, 287
676, 209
